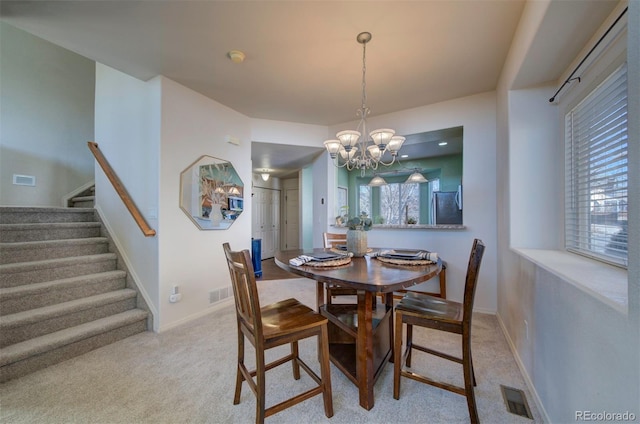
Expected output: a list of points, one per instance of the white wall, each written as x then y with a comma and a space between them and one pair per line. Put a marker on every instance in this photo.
46, 115
127, 125
193, 125
281, 132
477, 115
578, 353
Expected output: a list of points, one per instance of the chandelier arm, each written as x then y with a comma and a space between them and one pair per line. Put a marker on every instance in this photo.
336, 163
393, 160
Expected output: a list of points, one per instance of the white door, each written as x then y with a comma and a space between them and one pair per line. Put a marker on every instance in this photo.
275, 221
266, 220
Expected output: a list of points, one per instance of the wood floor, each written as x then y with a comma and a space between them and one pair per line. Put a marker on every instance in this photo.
271, 271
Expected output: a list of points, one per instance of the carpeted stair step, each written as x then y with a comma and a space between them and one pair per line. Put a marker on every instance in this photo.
31, 296
25, 215
31, 355
51, 249
11, 233
83, 201
12, 275
21, 326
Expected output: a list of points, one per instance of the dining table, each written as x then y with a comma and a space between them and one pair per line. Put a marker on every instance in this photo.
360, 333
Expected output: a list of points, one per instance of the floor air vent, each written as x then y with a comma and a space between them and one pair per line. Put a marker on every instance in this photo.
516, 401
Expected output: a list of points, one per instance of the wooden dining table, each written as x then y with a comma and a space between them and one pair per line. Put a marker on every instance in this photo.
361, 333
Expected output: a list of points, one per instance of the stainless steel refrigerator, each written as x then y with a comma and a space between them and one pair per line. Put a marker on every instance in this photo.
446, 207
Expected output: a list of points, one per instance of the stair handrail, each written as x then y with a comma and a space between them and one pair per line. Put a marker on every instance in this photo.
121, 190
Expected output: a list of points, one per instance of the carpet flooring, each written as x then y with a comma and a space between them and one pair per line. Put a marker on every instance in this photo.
187, 375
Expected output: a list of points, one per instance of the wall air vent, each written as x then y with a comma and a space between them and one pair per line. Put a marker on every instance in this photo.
24, 180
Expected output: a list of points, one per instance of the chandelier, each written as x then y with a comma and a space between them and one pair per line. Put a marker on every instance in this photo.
358, 149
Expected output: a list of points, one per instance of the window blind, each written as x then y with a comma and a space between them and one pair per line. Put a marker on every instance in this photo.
596, 172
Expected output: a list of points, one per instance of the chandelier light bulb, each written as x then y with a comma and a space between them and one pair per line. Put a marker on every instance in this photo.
333, 147
395, 143
381, 137
374, 152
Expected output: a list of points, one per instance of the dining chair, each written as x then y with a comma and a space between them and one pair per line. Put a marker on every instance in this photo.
283, 322
331, 240
443, 315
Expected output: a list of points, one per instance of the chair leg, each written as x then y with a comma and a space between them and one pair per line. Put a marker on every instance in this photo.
239, 376
473, 373
397, 355
409, 344
294, 361
260, 387
469, 378
325, 372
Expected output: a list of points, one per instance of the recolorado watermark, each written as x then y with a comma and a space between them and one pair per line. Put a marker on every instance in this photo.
605, 416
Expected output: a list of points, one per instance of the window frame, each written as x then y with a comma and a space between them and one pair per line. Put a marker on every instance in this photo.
578, 214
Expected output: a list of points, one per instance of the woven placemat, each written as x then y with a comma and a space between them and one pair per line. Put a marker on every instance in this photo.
405, 261
325, 264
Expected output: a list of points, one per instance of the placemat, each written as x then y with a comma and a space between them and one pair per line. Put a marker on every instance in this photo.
324, 264
404, 261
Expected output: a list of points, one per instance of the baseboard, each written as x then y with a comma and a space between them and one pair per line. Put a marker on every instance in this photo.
523, 371
213, 308
130, 269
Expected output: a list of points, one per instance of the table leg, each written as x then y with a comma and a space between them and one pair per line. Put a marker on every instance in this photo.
319, 303
364, 349
319, 294
389, 304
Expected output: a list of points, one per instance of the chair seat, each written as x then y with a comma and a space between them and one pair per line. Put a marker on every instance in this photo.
287, 316
431, 307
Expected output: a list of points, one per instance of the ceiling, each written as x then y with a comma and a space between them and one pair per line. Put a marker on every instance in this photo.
303, 63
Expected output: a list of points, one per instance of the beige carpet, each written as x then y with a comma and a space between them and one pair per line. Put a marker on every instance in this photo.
187, 375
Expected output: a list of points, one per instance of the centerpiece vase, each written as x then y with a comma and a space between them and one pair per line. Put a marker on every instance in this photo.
357, 242
215, 216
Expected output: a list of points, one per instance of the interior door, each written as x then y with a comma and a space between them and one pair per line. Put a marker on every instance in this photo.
266, 222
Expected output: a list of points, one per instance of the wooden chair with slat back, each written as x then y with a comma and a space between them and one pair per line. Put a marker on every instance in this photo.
444, 315
287, 321
332, 240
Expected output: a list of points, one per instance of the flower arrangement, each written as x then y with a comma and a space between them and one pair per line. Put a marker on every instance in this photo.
362, 222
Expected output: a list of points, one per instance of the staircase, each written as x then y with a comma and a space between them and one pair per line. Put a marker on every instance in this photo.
84, 199
63, 291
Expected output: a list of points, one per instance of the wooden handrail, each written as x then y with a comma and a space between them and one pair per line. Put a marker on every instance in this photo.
122, 192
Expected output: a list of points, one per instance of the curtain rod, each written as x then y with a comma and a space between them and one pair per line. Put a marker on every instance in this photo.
551, 100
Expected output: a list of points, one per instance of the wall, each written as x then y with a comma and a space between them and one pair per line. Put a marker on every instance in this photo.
127, 122
46, 111
476, 114
577, 351
194, 125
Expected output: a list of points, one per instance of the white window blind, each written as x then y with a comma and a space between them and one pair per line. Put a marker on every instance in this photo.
596, 172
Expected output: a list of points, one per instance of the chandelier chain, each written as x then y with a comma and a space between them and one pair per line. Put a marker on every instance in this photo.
364, 72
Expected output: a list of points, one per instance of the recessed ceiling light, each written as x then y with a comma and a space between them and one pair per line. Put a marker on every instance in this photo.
404, 156
442, 143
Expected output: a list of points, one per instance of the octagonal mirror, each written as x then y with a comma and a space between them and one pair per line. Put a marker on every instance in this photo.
211, 193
